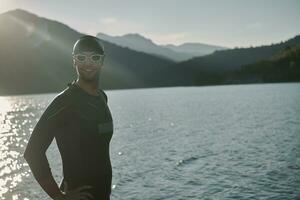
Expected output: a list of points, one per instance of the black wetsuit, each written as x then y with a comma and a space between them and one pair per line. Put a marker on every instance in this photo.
82, 126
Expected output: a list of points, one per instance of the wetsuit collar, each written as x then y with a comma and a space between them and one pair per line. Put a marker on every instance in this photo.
74, 85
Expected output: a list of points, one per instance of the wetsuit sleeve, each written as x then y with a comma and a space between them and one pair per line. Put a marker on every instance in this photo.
41, 137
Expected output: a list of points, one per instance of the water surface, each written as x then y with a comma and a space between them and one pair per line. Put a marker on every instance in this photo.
215, 142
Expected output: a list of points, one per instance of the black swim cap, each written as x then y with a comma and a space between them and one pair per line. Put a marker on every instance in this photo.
88, 43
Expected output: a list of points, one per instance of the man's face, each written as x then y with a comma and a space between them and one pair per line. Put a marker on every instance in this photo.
88, 65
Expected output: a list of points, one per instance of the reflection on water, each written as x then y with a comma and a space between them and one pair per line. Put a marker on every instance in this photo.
219, 142
16, 114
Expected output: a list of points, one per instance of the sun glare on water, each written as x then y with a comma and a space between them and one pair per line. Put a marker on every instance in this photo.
10, 147
5, 105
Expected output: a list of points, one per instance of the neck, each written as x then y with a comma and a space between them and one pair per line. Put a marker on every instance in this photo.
90, 87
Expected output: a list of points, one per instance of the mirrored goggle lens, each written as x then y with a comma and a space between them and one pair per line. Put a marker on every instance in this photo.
96, 57
81, 57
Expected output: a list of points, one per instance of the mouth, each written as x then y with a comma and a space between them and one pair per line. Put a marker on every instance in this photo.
88, 70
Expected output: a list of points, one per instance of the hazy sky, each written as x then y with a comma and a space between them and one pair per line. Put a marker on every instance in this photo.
230, 23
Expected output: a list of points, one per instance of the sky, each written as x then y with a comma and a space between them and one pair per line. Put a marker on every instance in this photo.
228, 23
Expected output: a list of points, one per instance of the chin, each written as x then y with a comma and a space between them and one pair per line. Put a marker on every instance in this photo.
89, 79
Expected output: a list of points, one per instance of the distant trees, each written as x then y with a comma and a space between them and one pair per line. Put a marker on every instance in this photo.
282, 67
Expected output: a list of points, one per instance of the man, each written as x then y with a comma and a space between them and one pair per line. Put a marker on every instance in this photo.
81, 123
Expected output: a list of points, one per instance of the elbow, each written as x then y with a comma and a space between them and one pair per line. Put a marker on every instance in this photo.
37, 162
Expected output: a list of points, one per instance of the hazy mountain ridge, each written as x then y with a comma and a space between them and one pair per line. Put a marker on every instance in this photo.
196, 49
217, 68
37, 50
235, 58
142, 44
177, 53
35, 55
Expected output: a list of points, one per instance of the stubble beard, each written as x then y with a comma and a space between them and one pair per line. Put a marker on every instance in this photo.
93, 79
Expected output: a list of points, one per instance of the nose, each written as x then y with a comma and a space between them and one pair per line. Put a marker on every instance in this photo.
89, 61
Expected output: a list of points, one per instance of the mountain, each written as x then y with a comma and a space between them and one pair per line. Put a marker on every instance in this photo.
35, 57
177, 53
282, 67
142, 44
214, 68
195, 49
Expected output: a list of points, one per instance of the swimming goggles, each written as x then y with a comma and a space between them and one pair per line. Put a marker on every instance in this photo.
94, 58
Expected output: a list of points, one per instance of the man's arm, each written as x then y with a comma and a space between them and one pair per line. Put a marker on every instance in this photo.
50, 187
40, 139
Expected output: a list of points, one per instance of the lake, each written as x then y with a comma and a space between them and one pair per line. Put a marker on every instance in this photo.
213, 142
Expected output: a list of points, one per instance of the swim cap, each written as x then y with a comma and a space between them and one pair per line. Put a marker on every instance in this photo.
88, 43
